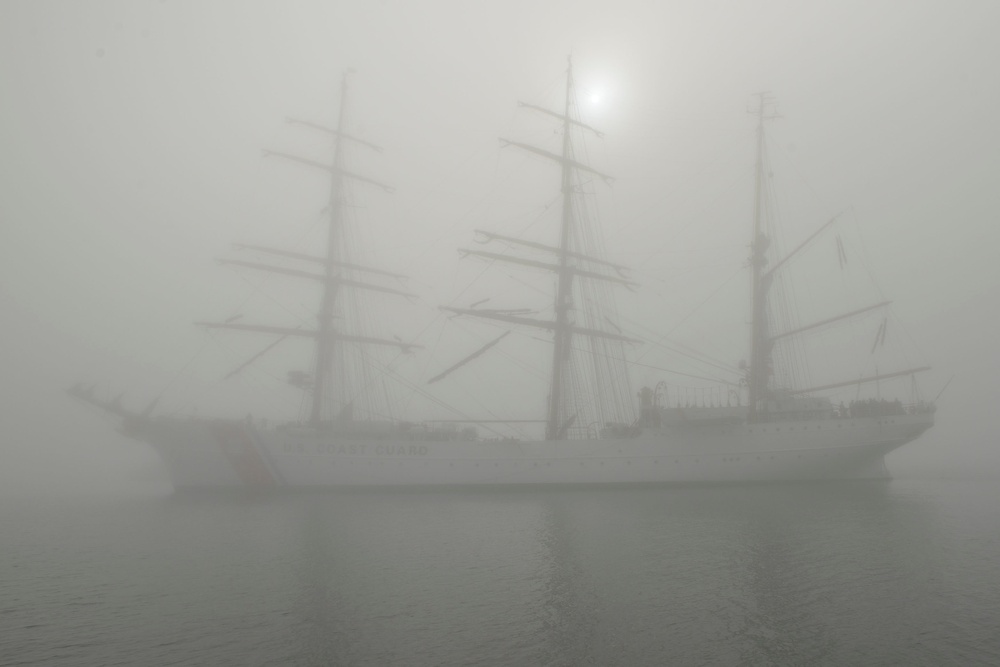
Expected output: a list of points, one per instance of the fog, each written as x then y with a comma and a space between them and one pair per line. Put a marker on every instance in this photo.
131, 139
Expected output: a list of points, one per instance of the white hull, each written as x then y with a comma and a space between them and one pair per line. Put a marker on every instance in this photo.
204, 453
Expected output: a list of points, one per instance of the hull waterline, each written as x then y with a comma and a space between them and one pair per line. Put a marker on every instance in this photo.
215, 453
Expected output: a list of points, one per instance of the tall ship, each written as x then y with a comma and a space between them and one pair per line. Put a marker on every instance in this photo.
594, 430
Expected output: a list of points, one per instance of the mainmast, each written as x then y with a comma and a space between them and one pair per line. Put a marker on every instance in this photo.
564, 289
569, 264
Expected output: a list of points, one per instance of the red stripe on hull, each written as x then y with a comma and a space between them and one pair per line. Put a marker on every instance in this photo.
239, 450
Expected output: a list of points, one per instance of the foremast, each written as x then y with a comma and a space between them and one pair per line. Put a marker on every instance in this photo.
338, 274
323, 369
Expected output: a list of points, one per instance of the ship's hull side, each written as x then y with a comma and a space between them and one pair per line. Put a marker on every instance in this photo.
205, 453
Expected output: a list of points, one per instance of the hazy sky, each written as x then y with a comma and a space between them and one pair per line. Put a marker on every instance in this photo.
130, 157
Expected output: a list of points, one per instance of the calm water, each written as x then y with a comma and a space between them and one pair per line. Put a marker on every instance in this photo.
906, 572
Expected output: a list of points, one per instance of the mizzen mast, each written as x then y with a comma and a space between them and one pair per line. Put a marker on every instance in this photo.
760, 349
763, 334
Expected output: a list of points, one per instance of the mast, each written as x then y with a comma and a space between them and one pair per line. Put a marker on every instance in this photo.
567, 265
763, 272
337, 274
760, 357
564, 290
325, 341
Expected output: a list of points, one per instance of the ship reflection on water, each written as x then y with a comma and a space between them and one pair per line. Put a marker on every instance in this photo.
790, 574
865, 572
